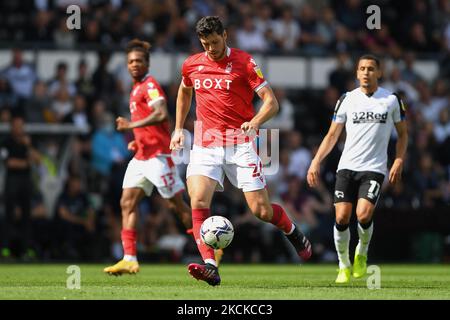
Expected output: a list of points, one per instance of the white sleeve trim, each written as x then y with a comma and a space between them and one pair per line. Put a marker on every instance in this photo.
262, 85
156, 100
184, 85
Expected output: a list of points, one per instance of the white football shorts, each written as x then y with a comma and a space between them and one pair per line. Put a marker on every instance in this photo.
240, 163
159, 171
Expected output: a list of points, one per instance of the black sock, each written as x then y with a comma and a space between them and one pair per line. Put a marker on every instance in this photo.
341, 227
366, 225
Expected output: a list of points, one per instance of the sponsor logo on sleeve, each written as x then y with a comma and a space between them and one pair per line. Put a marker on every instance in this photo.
258, 72
339, 194
153, 93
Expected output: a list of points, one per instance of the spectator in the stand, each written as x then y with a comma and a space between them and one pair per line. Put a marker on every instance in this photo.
277, 183
62, 105
442, 136
181, 37
76, 221
42, 227
38, 108
343, 41
295, 200
8, 99
351, 14
418, 40
96, 114
423, 105
446, 37
249, 37
90, 33
19, 155
325, 107
60, 81
84, 84
327, 27
311, 40
159, 232
78, 116
286, 31
103, 80
63, 37
108, 146
21, 76
380, 42
442, 127
163, 44
407, 72
395, 83
119, 25
124, 83
113, 211
343, 74
428, 180
430, 104
263, 20
300, 156
440, 97
41, 30
284, 120
319, 204
399, 197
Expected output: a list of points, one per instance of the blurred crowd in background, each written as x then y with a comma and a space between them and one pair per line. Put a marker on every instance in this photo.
85, 222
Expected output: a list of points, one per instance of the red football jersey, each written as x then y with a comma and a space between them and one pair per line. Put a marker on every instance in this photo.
224, 92
154, 139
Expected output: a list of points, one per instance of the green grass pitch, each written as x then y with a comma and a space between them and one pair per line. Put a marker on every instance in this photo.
265, 282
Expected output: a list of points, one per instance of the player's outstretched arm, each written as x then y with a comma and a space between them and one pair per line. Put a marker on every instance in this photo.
269, 109
184, 99
326, 146
395, 174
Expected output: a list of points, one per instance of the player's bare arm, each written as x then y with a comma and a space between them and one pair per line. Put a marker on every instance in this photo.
395, 174
17, 163
268, 110
158, 115
132, 146
325, 147
184, 99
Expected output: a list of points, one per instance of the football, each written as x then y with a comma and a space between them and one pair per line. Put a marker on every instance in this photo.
217, 232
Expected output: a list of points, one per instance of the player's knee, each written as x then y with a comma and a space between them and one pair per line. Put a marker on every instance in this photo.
198, 202
172, 204
262, 211
364, 217
342, 220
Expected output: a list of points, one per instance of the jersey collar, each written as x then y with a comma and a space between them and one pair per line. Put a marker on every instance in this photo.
142, 80
228, 54
145, 77
369, 95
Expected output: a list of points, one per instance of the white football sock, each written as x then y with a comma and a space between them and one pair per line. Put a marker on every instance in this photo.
341, 241
364, 239
128, 257
292, 230
211, 261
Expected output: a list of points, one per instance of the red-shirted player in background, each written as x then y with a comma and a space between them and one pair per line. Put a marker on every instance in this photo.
152, 164
224, 80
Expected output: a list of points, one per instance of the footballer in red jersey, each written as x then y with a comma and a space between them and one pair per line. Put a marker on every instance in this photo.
152, 164
225, 80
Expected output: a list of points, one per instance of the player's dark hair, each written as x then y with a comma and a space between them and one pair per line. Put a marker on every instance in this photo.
369, 57
141, 46
208, 25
